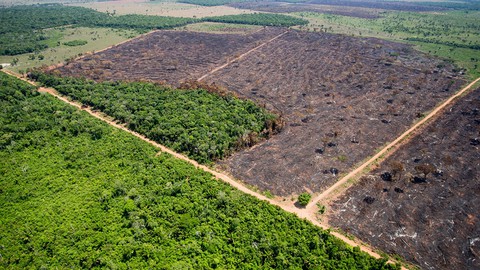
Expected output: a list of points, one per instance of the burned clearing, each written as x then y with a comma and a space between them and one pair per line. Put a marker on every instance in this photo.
422, 202
166, 56
341, 97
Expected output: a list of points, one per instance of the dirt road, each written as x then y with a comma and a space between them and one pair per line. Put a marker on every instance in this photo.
341, 185
301, 213
241, 56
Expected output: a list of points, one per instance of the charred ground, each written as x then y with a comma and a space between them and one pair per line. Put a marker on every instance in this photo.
432, 220
342, 97
166, 56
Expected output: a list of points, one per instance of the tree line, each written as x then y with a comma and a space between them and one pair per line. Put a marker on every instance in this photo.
23, 28
203, 125
77, 193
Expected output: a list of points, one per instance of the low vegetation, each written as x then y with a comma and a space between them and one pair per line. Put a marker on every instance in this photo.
204, 125
22, 28
77, 193
453, 35
76, 42
211, 2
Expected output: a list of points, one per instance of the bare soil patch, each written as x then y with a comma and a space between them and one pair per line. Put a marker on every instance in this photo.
167, 56
431, 221
342, 98
279, 7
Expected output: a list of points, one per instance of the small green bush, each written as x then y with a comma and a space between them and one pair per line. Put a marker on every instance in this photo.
304, 198
76, 42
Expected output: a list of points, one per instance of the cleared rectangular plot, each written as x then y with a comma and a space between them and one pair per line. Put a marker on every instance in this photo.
166, 56
341, 97
434, 221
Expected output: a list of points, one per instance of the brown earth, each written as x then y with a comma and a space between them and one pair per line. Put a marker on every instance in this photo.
342, 98
166, 56
430, 221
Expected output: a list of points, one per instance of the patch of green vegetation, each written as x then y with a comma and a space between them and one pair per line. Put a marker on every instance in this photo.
77, 193
211, 27
321, 208
98, 38
76, 42
204, 125
452, 35
304, 198
142, 22
23, 29
266, 19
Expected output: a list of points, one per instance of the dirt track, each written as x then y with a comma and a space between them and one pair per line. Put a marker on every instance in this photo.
240, 56
431, 220
339, 186
301, 213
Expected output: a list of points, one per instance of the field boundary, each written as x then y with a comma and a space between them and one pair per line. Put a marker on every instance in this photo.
240, 56
301, 213
342, 185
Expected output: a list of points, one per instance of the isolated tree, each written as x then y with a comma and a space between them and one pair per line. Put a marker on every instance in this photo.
425, 168
397, 168
304, 198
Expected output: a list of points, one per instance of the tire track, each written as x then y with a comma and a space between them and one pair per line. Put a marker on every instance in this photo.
241, 56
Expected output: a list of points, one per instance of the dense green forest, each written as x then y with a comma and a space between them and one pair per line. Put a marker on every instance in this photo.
21, 27
267, 19
142, 22
77, 193
203, 125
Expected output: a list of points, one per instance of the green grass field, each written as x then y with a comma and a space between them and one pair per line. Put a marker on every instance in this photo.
451, 35
98, 38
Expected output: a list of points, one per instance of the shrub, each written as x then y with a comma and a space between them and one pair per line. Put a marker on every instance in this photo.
304, 198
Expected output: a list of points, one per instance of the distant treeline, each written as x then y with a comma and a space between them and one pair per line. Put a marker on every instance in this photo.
267, 19
448, 43
22, 28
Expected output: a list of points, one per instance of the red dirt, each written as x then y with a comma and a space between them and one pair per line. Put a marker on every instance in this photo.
433, 223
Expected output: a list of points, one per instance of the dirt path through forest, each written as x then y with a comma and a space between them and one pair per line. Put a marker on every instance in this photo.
301, 213
342, 185
241, 56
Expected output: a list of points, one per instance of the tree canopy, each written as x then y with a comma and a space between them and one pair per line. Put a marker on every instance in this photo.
77, 193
